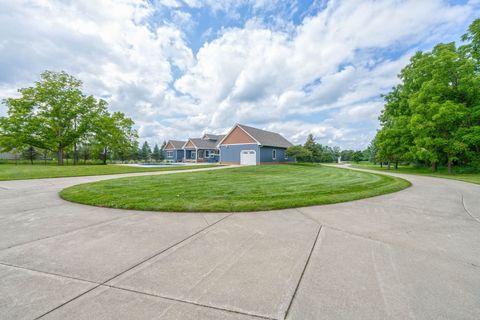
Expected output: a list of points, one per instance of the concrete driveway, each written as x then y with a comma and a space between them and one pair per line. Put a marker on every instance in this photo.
412, 254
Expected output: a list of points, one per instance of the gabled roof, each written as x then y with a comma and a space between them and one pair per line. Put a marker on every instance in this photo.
177, 144
216, 137
263, 137
200, 143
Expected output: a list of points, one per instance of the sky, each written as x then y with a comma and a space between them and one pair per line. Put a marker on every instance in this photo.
181, 68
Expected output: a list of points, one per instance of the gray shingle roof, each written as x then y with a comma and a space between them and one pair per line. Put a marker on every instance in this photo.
267, 138
203, 143
177, 144
216, 137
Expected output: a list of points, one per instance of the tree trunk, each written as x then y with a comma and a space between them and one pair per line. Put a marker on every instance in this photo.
434, 166
75, 156
396, 165
104, 155
388, 165
60, 156
381, 164
449, 166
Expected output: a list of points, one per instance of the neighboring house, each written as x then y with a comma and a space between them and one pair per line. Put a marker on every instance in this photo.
173, 151
251, 146
202, 149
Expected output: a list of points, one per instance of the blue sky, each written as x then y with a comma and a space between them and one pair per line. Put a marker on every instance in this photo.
183, 67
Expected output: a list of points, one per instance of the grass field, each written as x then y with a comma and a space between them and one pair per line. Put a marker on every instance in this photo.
441, 173
236, 189
25, 171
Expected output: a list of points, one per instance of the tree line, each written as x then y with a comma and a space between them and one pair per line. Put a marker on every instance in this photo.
312, 151
55, 117
433, 116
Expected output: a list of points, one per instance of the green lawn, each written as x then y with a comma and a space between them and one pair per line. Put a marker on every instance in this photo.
441, 173
236, 189
25, 171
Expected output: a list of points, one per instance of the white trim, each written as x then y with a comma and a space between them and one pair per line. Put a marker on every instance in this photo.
239, 144
171, 153
274, 151
189, 139
231, 130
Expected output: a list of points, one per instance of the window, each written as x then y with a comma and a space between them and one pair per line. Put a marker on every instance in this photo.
193, 155
274, 154
285, 154
207, 153
169, 154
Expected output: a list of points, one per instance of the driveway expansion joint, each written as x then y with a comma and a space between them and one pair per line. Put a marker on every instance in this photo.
303, 272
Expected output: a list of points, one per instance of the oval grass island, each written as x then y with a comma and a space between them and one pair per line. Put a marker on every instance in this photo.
252, 188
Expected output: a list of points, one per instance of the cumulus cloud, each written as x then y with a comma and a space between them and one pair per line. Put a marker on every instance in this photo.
322, 74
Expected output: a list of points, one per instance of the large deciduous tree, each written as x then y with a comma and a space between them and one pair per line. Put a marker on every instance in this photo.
52, 115
434, 114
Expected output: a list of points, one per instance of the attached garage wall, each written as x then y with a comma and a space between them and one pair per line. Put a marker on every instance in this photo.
266, 155
231, 153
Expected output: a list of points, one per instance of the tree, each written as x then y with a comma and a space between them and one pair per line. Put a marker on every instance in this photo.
433, 116
357, 156
52, 115
114, 133
313, 147
301, 154
146, 152
157, 154
30, 153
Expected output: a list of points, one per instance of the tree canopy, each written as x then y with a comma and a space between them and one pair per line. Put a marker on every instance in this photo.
433, 115
55, 115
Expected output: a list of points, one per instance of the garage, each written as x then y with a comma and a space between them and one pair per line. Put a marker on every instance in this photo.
248, 158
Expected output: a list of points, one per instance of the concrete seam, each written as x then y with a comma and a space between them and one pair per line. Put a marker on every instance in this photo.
303, 273
64, 233
47, 273
190, 302
132, 267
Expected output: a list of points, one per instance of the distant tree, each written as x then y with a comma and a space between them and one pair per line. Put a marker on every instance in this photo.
346, 155
29, 153
157, 154
146, 152
357, 156
301, 154
313, 147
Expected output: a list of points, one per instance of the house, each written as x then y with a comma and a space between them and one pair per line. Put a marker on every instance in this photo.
251, 146
173, 151
202, 149
242, 145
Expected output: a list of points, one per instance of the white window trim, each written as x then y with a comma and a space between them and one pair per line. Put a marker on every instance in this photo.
169, 154
274, 154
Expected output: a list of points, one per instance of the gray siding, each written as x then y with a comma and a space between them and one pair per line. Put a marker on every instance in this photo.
231, 153
266, 155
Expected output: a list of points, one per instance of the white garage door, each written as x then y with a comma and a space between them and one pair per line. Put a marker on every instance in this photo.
248, 157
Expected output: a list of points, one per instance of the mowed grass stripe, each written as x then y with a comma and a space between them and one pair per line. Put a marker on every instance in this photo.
236, 189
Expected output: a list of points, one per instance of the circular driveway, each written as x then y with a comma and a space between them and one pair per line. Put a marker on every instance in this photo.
411, 254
